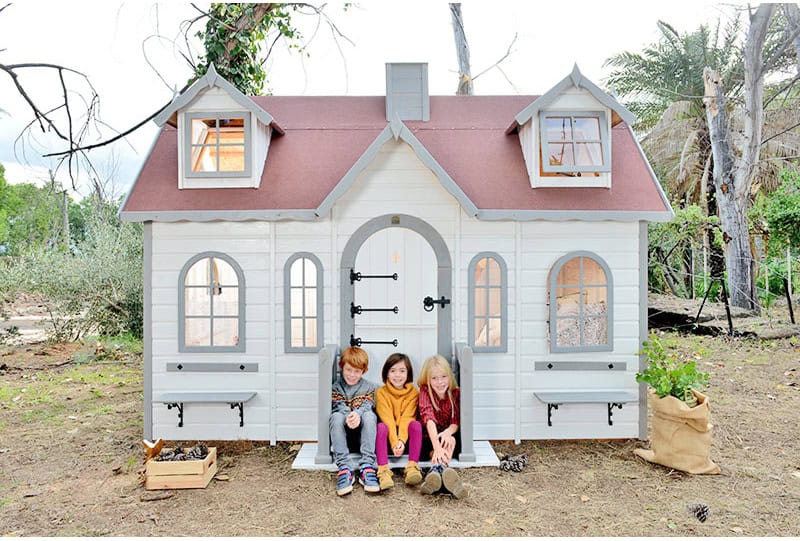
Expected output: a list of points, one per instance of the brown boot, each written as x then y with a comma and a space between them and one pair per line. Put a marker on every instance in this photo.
385, 477
452, 482
413, 474
433, 481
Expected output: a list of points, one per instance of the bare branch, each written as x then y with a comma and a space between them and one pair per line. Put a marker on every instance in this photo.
496, 64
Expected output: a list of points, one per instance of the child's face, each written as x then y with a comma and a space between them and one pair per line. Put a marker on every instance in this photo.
398, 374
351, 374
440, 381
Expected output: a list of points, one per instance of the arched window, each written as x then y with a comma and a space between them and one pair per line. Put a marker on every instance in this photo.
302, 303
211, 304
488, 306
581, 304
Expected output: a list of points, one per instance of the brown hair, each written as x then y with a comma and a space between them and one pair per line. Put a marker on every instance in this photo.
437, 361
355, 357
392, 360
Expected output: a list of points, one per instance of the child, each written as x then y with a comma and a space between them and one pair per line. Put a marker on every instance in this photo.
352, 405
396, 404
439, 413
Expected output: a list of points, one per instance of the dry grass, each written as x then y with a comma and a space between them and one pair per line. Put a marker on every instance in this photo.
70, 456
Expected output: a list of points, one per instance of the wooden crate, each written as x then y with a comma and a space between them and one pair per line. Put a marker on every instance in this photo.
181, 474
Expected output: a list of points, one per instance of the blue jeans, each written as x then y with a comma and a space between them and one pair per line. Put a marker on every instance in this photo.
369, 429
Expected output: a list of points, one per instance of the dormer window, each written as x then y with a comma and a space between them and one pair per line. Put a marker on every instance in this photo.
218, 144
574, 143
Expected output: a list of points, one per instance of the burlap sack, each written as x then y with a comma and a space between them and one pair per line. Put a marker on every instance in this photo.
681, 435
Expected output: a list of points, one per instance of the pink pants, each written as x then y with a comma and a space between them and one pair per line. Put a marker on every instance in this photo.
413, 445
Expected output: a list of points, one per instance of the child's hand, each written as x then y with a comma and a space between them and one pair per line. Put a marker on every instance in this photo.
447, 441
353, 419
439, 456
399, 448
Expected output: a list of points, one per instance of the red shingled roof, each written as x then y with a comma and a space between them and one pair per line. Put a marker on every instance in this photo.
325, 136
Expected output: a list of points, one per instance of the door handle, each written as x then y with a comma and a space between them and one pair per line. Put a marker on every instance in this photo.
428, 302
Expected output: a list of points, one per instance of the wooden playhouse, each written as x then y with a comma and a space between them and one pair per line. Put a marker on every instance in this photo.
507, 233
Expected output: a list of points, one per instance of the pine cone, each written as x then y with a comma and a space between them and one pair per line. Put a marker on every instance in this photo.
699, 510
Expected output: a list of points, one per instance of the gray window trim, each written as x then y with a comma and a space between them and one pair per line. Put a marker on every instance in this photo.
552, 286
287, 288
605, 142
503, 347
182, 347
187, 144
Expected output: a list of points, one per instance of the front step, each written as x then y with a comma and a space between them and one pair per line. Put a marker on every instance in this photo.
484, 456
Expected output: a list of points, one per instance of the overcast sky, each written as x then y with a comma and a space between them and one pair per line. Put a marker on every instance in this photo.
135, 72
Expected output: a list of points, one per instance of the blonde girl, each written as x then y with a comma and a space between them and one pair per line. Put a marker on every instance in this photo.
439, 413
396, 405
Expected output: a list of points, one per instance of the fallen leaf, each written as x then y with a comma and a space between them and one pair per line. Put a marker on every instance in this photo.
796, 474
16, 398
771, 397
737, 530
671, 525
117, 470
72, 418
584, 498
489, 521
4, 451
521, 499
222, 477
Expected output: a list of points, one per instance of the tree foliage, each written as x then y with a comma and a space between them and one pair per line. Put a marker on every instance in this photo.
94, 288
235, 37
781, 212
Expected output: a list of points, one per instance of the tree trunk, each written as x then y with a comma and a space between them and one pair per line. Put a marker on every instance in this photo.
732, 179
462, 51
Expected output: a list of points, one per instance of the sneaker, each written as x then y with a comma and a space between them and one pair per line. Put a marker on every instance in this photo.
452, 482
344, 482
413, 474
369, 480
385, 477
432, 482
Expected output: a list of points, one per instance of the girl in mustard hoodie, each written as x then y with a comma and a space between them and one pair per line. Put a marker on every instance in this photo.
396, 406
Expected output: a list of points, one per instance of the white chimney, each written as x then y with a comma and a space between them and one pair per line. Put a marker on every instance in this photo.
407, 91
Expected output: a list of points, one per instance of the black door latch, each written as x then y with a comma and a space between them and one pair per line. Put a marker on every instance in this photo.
428, 302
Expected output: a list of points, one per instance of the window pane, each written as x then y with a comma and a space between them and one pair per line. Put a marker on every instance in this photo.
197, 301
558, 128
481, 272
568, 332
198, 274
311, 302
587, 128
201, 127
567, 301
227, 302
481, 302
296, 273
198, 332
223, 273
311, 333
560, 154
311, 273
226, 332
495, 277
570, 273
296, 302
297, 333
231, 158
495, 336
593, 273
495, 301
481, 333
588, 154
595, 331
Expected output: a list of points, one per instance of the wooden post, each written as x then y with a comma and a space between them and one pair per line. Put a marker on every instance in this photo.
788, 299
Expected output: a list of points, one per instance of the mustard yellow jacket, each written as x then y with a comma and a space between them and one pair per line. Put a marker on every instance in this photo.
396, 408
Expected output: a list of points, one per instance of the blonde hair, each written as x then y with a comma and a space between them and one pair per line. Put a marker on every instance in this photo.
355, 357
437, 361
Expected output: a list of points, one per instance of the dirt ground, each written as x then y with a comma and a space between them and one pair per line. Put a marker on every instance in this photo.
71, 455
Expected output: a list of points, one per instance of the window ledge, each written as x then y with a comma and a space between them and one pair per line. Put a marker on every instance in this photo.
603, 181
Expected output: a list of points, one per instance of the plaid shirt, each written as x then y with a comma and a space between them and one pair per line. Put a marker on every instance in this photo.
444, 416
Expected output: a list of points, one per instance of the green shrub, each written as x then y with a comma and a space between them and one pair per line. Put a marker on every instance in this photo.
668, 375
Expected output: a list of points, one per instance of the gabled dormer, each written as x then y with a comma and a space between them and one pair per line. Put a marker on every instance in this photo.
566, 134
223, 136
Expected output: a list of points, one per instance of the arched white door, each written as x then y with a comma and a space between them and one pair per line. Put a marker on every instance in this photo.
404, 252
